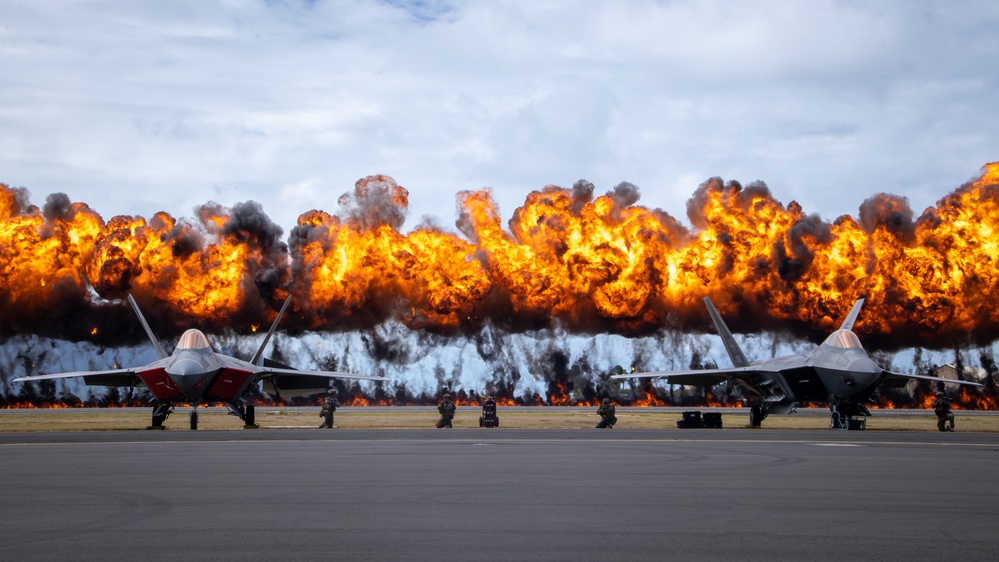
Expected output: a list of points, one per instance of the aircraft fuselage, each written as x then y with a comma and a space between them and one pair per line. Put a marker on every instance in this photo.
194, 373
191, 370
825, 374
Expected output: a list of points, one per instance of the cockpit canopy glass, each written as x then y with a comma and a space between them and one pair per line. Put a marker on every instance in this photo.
844, 339
193, 339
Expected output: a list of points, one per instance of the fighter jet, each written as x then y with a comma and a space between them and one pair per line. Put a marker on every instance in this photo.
838, 372
195, 373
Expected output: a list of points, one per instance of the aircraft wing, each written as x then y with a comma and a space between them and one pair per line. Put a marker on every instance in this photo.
288, 382
113, 377
898, 380
269, 372
285, 382
700, 377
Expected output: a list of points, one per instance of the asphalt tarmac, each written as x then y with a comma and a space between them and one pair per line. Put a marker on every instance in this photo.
499, 495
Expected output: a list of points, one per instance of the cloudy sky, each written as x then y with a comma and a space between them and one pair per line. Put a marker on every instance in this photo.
136, 107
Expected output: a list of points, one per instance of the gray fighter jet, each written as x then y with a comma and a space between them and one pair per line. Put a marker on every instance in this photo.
838, 372
194, 373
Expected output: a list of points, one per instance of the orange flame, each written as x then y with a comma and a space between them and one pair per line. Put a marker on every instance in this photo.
566, 258
587, 263
67, 403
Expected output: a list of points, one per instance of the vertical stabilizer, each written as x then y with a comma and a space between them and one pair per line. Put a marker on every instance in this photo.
736, 354
852, 317
145, 326
267, 338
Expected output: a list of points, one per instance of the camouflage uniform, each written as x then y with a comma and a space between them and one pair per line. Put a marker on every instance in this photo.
606, 413
446, 409
330, 404
941, 407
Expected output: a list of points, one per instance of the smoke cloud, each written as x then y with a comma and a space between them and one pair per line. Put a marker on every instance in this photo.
567, 258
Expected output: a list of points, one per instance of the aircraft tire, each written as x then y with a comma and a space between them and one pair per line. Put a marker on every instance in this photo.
755, 416
249, 418
194, 419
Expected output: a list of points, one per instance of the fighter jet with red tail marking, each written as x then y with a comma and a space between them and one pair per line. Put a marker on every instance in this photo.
194, 373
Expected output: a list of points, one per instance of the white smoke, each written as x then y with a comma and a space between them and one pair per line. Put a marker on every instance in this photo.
423, 363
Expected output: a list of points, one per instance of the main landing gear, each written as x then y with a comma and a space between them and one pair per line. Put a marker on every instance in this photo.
160, 413
245, 412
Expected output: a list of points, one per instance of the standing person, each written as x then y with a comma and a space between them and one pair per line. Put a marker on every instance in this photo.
446, 409
330, 404
941, 407
606, 412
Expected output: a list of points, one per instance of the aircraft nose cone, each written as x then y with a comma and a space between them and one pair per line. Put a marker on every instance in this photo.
865, 372
189, 375
873, 368
185, 366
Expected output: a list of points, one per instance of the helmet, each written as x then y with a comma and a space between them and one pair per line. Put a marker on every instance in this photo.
448, 396
606, 400
940, 394
331, 391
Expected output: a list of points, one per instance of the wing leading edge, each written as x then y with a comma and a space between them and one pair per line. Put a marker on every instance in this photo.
112, 377
283, 372
891, 379
699, 377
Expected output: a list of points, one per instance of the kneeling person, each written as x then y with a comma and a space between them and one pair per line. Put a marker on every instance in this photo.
606, 412
941, 407
446, 409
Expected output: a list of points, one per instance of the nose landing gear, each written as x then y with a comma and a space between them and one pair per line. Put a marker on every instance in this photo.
841, 420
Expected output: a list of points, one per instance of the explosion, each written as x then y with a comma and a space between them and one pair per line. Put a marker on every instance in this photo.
567, 259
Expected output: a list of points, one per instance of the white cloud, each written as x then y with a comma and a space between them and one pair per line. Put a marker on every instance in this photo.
149, 106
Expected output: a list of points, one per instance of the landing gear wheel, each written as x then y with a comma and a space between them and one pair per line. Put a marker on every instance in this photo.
249, 416
755, 416
194, 419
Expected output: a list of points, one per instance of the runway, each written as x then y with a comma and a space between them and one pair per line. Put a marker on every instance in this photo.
490, 495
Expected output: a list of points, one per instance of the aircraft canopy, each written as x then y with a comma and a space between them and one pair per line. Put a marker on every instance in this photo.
844, 339
193, 339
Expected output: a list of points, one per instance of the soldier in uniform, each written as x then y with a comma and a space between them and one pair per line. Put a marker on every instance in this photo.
941, 407
446, 409
330, 404
606, 413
